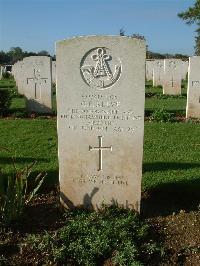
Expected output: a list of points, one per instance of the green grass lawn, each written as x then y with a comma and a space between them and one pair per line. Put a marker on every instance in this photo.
173, 104
171, 154
7, 83
30, 140
171, 169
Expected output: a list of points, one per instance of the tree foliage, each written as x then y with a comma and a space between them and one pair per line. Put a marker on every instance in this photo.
192, 16
16, 53
150, 54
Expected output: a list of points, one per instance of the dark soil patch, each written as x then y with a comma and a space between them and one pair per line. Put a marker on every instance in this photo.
181, 234
178, 233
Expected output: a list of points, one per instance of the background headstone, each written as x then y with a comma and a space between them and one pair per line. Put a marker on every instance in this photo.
193, 92
149, 69
158, 72
172, 77
54, 71
184, 69
1, 72
37, 83
100, 110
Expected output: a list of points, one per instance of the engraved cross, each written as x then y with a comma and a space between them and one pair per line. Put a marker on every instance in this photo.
100, 149
172, 80
36, 79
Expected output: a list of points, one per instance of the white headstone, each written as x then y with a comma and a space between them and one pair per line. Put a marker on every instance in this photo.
158, 72
184, 69
149, 69
172, 77
54, 71
37, 79
1, 72
100, 110
193, 93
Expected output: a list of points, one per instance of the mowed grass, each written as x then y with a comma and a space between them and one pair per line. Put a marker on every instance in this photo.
7, 83
173, 104
29, 140
171, 154
171, 167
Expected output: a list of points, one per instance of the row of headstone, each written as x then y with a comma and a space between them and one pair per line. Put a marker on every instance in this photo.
33, 77
170, 72
167, 73
100, 114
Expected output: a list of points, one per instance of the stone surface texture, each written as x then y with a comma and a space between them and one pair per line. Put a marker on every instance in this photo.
193, 92
36, 79
149, 69
1, 72
158, 72
54, 71
100, 110
172, 77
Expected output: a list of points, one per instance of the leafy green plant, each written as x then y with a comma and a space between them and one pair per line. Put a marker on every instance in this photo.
166, 96
91, 237
162, 115
15, 194
20, 114
5, 100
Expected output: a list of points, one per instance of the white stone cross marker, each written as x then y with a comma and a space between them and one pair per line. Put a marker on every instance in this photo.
100, 149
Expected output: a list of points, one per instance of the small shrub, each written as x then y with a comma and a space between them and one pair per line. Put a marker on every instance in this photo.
14, 93
166, 96
162, 115
5, 100
20, 114
91, 237
14, 195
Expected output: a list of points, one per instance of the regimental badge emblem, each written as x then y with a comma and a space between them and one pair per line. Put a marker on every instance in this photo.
100, 69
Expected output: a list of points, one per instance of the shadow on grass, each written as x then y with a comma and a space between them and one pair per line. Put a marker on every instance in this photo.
172, 197
18, 109
165, 166
4, 160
